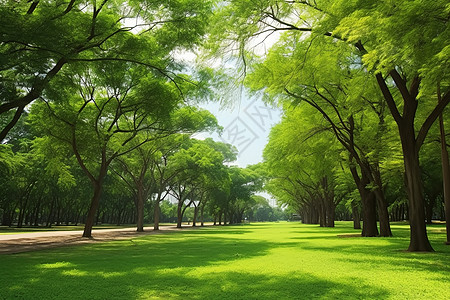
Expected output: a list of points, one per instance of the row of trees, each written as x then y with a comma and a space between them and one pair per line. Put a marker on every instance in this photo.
44, 184
96, 103
102, 88
372, 78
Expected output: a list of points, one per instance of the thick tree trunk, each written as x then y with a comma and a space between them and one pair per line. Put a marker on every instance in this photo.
410, 147
91, 216
419, 239
383, 215
445, 176
368, 204
331, 214
369, 214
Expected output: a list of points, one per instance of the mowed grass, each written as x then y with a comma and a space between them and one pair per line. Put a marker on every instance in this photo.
256, 261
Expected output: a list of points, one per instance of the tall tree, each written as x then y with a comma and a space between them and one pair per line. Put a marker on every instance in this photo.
38, 39
99, 111
386, 37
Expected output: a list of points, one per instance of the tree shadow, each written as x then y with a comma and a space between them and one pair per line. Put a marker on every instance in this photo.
195, 265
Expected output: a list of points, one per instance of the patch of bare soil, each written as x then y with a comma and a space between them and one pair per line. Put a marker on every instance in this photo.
10, 244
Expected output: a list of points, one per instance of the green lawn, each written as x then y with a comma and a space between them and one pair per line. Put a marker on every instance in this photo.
257, 261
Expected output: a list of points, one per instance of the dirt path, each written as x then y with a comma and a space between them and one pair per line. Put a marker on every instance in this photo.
23, 242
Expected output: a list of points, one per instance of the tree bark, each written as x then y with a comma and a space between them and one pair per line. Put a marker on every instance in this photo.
91, 216
157, 212
194, 220
414, 186
383, 214
368, 204
356, 216
179, 214
140, 207
331, 214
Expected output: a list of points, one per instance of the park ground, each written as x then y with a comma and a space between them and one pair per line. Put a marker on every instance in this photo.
251, 261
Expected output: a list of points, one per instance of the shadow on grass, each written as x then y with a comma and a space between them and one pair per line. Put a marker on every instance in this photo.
387, 252
165, 267
204, 264
236, 285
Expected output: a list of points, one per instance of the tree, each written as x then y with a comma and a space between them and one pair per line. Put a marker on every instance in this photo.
99, 111
200, 166
245, 182
144, 169
39, 39
306, 175
385, 36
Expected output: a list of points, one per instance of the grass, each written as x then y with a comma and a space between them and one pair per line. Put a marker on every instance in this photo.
256, 261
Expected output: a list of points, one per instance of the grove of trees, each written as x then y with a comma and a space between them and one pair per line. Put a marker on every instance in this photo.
376, 75
98, 110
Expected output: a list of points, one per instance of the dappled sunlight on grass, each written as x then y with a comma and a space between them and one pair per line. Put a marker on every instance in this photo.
55, 265
256, 261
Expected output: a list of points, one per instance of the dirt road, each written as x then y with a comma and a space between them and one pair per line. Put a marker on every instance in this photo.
23, 242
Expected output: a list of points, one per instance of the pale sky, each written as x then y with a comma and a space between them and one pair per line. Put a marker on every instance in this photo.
246, 126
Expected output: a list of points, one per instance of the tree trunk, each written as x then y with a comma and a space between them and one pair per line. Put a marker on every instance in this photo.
156, 212
368, 204
202, 215
383, 214
322, 214
369, 214
140, 207
429, 205
331, 214
179, 213
410, 148
194, 220
445, 177
356, 216
95, 201
419, 239
22, 212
